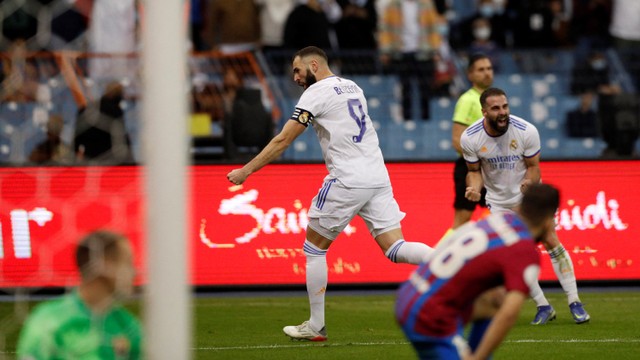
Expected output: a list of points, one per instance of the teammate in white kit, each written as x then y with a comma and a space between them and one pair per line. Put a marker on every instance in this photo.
502, 152
357, 184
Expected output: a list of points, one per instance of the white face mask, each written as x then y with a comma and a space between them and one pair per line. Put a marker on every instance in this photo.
482, 33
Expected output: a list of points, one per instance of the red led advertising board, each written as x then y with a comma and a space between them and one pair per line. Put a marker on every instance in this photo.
253, 234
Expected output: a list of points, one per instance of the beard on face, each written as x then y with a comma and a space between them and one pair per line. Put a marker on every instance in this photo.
493, 124
487, 82
309, 79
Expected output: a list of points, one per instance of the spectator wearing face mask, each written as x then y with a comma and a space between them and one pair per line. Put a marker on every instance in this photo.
482, 43
494, 11
592, 76
590, 79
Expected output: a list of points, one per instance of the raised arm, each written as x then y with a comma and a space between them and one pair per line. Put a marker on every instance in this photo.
273, 150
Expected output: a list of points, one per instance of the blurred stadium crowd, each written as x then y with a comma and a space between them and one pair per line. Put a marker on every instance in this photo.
70, 80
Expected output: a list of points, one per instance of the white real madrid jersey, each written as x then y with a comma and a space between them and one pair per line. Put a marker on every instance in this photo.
502, 158
337, 110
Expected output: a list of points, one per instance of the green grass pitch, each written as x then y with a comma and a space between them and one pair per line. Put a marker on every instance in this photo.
362, 326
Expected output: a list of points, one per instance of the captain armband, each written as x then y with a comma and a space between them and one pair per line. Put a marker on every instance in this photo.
302, 116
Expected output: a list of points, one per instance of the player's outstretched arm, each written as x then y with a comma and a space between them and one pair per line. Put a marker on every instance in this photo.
273, 150
502, 322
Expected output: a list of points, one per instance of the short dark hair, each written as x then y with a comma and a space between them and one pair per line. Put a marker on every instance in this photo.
311, 50
540, 201
490, 92
94, 248
475, 58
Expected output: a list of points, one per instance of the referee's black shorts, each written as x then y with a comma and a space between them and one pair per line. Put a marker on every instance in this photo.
460, 181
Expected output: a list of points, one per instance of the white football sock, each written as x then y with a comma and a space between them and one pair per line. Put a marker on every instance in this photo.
563, 267
408, 252
316, 283
537, 295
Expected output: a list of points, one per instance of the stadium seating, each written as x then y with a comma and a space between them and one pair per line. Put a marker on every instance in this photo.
22, 127
542, 98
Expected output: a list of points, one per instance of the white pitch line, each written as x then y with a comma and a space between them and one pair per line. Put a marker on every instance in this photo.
303, 344
277, 346
575, 341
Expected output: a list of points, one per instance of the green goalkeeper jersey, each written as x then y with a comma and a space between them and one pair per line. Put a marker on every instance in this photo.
66, 329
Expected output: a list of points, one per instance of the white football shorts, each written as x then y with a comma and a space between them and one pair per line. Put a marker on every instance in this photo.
335, 206
494, 209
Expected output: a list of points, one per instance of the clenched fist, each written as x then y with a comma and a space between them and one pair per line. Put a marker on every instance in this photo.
472, 194
237, 176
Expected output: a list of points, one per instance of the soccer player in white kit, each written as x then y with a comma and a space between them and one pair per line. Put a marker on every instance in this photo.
502, 152
357, 184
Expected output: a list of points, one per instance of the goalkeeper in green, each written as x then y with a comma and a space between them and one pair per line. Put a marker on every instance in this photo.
89, 322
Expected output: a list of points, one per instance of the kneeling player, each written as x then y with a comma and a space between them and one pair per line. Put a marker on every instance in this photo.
438, 300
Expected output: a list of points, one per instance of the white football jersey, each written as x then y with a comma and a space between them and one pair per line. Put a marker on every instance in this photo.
501, 158
337, 110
